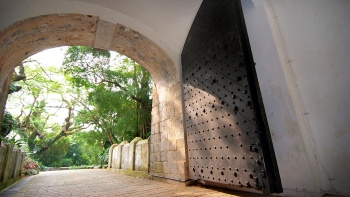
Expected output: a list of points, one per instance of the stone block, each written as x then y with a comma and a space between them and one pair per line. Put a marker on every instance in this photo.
152, 157
179, 133
177, 120
161, 107
155, 100
155, 110
183, 177
165, 126
163, 156
180, 154
163, 146
155, 118
170, 111
178, 108
167, 112
151, 166
163, 136
152, 129
152, 148
158, 167
172, 144
155, 157
180, 143
171, 156
156, 147
167, 176
161, 175
159, 137
166, 169
182, 168
104, 34
157, 128
173, 167
155, 138
174, 91
171, 134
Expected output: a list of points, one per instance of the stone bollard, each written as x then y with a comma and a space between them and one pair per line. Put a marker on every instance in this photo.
8, 163
132, 152
110, 155
117, 155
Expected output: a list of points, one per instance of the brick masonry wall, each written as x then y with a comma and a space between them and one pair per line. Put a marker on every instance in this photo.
168, 152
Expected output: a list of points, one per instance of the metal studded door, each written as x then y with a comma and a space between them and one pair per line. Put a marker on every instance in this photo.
228, 138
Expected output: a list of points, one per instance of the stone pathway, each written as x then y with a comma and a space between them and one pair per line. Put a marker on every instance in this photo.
105, 183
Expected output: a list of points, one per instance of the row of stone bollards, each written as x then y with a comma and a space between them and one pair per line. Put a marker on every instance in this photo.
130, 158
11, 162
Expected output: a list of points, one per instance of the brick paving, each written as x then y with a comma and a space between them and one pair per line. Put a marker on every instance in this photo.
105, 183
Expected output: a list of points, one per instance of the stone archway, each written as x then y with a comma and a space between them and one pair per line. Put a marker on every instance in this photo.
25, 38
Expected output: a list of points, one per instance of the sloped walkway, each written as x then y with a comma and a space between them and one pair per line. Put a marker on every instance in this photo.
105, 183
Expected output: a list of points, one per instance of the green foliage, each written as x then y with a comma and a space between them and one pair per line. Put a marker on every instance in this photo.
54, 155
117, 102
14, 88
103, 157
78, 167
8, 124
66, 162
92, 145
17, 142
76, 155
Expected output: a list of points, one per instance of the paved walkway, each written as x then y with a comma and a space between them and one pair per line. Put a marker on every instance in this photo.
106, 183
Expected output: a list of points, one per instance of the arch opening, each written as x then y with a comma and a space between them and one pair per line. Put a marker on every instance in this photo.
78, 92
25, 38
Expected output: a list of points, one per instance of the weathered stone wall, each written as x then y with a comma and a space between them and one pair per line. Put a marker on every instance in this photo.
11, 163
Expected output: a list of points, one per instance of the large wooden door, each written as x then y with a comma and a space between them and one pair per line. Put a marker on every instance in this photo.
228, 138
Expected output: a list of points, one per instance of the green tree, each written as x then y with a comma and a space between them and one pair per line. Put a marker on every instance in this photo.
76, 155
118, 103
93, 144
55, 154
43, 94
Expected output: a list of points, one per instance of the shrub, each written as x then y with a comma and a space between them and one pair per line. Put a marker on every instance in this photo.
66, 162
30, 167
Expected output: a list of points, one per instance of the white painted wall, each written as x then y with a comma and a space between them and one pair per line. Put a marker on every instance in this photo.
302, 53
